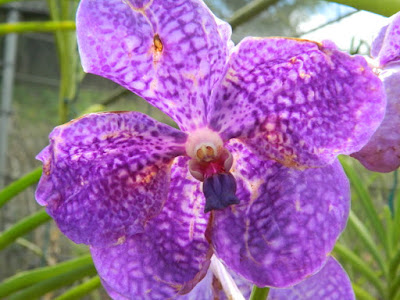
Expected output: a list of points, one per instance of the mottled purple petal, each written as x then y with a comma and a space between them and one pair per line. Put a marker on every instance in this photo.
105, 175
382, 152
386, 46
287, 221
170, 52
297, 102
111, 292
171, 256
330, 283
202, 291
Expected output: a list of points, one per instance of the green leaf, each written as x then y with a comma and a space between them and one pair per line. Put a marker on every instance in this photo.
389, 229
362, 294
19, 185
249, 11
394, 265
2, 2
366, 202
23, 227
396, 221
259, 293
382, 7
366, 237
28, 278
40, 26
54, 282
81, 290
352, 258
394, 288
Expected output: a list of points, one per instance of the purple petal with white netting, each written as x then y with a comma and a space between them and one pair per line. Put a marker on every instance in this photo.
298, 102
287, 220
202, 291
386, 46
170, 52
112, 293
171, 256
330, 283
105, 175
382, 152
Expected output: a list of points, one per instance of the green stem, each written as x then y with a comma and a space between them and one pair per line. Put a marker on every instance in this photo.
81, 290
47, 26
66, 49
22, 227
19, 185
28, 278
54, 282
63, 108
382, 7
259, 293
30, 246
349, 256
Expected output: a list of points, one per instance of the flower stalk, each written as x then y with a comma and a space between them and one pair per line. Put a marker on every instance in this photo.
259, 293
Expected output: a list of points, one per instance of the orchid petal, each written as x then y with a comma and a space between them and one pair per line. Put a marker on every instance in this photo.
298, 102
386, 46
330, 283
170, 52
382, 152
105, 175
202, 291
171, 256
111, 292
287, 220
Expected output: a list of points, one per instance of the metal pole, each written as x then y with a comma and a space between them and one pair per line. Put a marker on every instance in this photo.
10, 51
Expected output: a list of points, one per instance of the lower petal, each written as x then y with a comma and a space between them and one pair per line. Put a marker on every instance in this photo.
287, 220
330, 283
171, 256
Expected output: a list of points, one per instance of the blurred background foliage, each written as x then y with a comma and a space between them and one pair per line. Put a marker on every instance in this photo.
49, 88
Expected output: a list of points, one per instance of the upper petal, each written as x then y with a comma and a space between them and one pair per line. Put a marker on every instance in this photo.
382, 152
287, 220
330, 283
296, 101
105, 175
171, 256
386, 46
170, 52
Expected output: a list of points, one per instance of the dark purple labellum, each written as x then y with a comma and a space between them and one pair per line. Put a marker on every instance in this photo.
219, 190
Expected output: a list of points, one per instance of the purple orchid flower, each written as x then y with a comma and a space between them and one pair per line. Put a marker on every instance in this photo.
382, 152
252, 175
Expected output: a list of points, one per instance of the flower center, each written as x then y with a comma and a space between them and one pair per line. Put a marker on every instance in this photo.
211, 163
